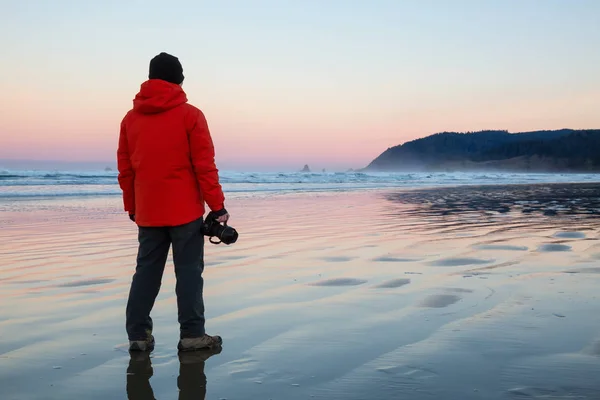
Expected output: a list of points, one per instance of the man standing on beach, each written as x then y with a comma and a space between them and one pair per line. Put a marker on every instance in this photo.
167, 172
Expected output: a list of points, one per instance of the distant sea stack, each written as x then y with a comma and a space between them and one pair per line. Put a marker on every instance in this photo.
564, 150
305, 169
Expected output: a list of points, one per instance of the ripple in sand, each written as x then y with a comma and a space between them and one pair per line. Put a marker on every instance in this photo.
594, 348
591, 270
458, 290
339, 282
26, 281
570, 235
568, 393
85, 282
337, 259
457, 262
413, 371
230, 258
394, 283
550, 247
439, 300
393, 259
501, 247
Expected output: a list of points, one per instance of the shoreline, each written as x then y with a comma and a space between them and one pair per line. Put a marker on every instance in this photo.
269, 193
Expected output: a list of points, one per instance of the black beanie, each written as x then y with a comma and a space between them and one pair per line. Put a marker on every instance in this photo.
166, 67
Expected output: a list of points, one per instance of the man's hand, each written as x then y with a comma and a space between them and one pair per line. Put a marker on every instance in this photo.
132, 217
223, 218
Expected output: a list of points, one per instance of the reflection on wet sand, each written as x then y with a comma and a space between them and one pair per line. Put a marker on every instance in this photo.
380, 300
191, 381
539, 199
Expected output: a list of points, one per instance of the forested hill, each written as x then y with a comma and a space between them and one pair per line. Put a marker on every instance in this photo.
540, 151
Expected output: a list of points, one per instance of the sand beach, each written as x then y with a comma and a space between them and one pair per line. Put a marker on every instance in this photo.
470, 292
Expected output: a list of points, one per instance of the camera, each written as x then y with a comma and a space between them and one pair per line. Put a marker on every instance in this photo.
213, 228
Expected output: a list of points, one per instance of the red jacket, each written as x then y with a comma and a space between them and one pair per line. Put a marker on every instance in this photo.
166, 158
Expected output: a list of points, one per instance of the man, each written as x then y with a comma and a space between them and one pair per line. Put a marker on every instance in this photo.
167, 172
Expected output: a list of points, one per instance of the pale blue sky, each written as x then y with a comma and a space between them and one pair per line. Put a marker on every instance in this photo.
331, 83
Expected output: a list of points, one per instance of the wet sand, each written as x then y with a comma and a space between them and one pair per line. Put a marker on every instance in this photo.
453, 293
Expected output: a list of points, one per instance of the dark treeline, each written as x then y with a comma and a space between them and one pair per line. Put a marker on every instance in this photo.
559, 150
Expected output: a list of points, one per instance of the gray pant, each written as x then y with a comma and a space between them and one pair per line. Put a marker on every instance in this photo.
188, 254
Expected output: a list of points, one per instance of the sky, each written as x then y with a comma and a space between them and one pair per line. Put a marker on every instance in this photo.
283, 83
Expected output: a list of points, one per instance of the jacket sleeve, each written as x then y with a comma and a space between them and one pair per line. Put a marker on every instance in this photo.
126, 175
202, 153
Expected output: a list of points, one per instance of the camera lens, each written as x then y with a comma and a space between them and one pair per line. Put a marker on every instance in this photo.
228, 235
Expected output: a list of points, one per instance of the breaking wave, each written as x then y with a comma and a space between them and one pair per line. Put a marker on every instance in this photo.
34, 183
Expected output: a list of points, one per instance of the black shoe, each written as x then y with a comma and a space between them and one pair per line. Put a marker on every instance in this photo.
142, 345
199, 343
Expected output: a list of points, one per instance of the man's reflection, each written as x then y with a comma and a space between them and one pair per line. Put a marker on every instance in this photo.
191, 380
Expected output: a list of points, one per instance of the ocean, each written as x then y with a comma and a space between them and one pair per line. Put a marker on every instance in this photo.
31, 184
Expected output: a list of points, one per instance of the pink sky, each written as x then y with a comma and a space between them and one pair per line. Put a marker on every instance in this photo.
348, 134
308, 84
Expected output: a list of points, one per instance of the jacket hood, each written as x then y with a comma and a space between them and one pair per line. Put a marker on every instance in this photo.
156, 96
